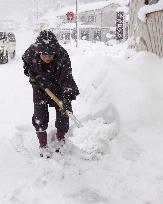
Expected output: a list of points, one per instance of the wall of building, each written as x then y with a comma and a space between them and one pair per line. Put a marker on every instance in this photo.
106, 17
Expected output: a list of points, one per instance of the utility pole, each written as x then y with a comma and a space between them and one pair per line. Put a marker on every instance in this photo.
37, 14
101, 18
77, 23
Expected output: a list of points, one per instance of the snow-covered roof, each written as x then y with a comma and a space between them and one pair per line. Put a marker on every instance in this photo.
90, 6
149, 9
123, 9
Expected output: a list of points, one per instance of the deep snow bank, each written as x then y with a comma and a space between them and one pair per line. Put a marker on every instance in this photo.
131, 87
124, 94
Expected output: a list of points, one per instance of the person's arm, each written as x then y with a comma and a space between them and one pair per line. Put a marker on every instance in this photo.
28, 69
27, 59
68, 85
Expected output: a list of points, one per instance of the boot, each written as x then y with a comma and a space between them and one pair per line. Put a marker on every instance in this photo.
61, 139
60, 135
42, 137
44, 151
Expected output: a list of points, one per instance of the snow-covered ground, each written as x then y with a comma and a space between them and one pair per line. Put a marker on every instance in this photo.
115, 158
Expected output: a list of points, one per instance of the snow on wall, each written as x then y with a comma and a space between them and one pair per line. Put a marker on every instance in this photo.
149, 9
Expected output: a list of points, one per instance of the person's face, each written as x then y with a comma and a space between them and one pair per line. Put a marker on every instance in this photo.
46, 58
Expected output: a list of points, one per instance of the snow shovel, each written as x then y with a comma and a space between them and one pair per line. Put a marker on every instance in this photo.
57, 101
60, 104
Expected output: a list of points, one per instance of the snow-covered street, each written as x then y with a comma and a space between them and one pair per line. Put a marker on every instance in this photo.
115, 158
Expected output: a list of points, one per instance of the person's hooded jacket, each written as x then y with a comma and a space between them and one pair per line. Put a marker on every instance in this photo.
57, 74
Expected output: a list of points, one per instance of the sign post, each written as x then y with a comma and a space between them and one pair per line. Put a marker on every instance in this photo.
70, 17
76, 23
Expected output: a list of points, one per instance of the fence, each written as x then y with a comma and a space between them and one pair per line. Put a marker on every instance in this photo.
151, 34
146, 36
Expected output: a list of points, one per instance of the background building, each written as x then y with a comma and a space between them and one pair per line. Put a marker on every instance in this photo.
97, 22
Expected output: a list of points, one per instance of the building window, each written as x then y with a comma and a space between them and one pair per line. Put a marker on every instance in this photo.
97, 35
82, 19
67, 36
150, 2
11, 37
85, 35
2, 35
91, 19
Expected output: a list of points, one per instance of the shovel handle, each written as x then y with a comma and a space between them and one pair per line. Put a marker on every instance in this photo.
60, 104
54, 98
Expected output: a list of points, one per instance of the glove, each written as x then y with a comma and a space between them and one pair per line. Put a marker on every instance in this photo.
32, 80
68, 93
37, 81
66, 99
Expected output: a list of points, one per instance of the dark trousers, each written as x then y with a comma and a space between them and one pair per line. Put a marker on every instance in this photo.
40, 117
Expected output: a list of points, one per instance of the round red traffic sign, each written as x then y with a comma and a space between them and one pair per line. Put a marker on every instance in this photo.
70, 15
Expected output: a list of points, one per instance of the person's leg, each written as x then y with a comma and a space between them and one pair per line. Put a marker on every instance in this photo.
62, 124
40, 121
40, 117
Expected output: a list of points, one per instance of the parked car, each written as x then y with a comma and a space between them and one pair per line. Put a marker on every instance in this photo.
7, 46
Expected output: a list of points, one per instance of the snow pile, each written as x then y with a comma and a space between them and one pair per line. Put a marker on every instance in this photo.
120, 93
149, 9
